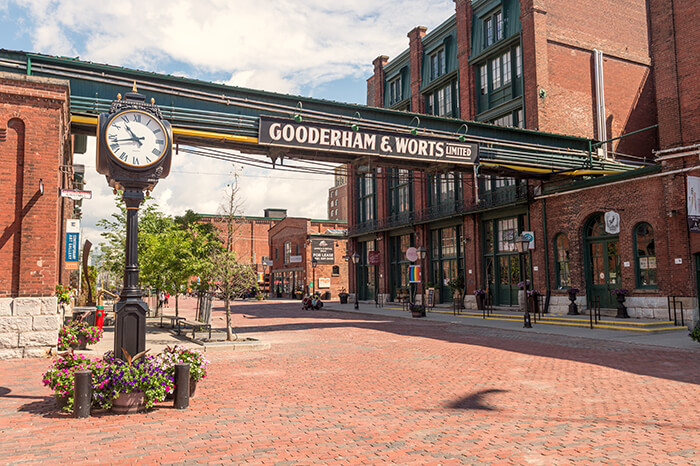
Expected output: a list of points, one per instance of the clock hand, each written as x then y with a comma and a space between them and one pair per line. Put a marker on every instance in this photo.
131, 140
133, 136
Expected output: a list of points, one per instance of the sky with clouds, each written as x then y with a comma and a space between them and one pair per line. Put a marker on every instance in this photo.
315, 48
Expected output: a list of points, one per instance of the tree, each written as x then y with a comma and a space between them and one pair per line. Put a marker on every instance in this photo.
223, 267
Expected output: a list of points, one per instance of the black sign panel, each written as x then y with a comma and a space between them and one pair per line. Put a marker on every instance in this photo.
323, 250
319, 136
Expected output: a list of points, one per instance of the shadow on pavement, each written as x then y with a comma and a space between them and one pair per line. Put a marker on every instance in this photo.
476, 401
667, 363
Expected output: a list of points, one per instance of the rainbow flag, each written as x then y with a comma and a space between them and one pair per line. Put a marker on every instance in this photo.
414, 274
261, 277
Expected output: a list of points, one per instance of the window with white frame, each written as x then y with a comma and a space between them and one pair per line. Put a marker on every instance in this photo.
438, 66
518, 62
395, 91
287, 251
484, 79
505, 60
493, 29
496, 73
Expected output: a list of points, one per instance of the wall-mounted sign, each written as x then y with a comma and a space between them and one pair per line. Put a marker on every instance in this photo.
323, 250
612, 222
412, 254
414, 275
324, 282
76, 194
295, 259
319, 136
72, 243
374, 257
530, 236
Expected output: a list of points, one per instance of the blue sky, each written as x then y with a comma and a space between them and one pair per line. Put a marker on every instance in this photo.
315, 48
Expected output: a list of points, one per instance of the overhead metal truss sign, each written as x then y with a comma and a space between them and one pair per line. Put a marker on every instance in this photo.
364, 141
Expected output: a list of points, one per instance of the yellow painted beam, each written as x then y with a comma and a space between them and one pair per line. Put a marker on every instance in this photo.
92, 121
573, 172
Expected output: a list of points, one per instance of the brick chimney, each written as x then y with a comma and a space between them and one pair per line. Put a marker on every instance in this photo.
375, 84
415, 45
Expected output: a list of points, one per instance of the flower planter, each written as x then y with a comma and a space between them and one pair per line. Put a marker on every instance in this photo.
621, 308
480, 302
79, 346
129, 403
193, 388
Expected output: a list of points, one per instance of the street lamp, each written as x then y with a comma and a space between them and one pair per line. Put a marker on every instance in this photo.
521, 244
356, 260
264, 274
314, 263
421, 251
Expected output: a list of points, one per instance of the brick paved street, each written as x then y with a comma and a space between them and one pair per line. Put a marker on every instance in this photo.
339, 388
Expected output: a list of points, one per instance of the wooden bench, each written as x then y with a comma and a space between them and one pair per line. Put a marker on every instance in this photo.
194, 324
202, 319
173, 320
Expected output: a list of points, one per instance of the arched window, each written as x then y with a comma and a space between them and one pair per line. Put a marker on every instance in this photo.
561, 254
645, 256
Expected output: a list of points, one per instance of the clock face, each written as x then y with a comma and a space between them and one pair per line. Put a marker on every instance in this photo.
136, 138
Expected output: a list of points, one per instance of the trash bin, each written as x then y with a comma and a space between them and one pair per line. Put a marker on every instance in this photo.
327, 296
343, 298
79, 311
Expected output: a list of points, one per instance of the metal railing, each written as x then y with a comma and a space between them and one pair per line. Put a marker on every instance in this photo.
503, 196
673, 301
594, 311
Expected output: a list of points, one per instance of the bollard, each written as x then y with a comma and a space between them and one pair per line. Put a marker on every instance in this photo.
182, 386
82, 394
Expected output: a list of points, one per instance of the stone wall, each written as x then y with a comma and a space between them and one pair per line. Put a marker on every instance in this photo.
28, 327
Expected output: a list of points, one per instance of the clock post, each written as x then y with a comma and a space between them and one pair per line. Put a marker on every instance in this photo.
134, 150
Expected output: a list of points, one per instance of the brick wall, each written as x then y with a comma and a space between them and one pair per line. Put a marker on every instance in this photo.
34, 117
558, 43
660, 204
675, 36
34, 145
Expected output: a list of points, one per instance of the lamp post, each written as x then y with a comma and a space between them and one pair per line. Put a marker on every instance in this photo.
264, 274
356, 260
421, 255
521, 244
314, 263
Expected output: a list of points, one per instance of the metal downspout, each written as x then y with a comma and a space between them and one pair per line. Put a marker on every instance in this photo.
546, 255
29, 65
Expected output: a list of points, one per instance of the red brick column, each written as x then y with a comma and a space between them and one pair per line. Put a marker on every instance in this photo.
467, 83
416, 57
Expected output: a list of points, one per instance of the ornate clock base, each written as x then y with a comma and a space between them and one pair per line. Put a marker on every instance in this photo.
130, 327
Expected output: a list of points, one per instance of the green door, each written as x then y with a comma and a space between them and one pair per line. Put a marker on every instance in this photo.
602, 264
508, 277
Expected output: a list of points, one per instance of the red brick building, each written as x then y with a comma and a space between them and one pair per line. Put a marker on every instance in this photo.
576, 68
35, 162
338, 195
294, 242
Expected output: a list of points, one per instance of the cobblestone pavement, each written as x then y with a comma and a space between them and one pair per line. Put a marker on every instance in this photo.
337, 388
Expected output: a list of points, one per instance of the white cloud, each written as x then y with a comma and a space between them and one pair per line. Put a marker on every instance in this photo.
278, 46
